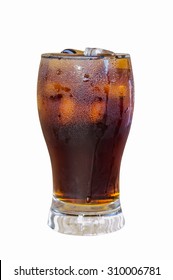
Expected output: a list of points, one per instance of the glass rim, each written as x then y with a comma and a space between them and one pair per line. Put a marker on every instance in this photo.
81, 56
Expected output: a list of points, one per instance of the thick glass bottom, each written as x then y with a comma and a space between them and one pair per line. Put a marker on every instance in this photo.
85, 219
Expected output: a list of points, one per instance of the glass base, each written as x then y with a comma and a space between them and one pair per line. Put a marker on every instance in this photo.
85, 219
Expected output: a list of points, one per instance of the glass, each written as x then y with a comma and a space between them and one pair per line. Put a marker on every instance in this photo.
85, 104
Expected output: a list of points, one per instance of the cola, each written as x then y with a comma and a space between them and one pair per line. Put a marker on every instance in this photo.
85, 108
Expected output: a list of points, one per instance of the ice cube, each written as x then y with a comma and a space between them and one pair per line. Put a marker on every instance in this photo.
117, 90
72, 51
121, 90
66, 110
97, 110
54, 90
96, 52
122, 63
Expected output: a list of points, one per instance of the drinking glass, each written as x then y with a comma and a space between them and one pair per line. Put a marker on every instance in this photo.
85, 105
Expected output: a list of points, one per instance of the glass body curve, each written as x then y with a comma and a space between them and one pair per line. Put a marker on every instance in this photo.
85, 108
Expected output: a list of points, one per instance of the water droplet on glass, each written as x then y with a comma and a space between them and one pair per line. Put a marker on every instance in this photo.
88, 199
58, 72
45, 77
86, 78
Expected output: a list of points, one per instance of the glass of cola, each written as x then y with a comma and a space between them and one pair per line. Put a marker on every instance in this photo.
85, 105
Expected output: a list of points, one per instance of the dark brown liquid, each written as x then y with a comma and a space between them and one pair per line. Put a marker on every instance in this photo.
86, 137
86, 161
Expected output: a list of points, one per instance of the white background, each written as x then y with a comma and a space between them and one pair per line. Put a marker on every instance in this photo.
141, 28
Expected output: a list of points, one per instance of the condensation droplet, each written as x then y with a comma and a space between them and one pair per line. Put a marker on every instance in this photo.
58, 72
88, 199
86, 78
